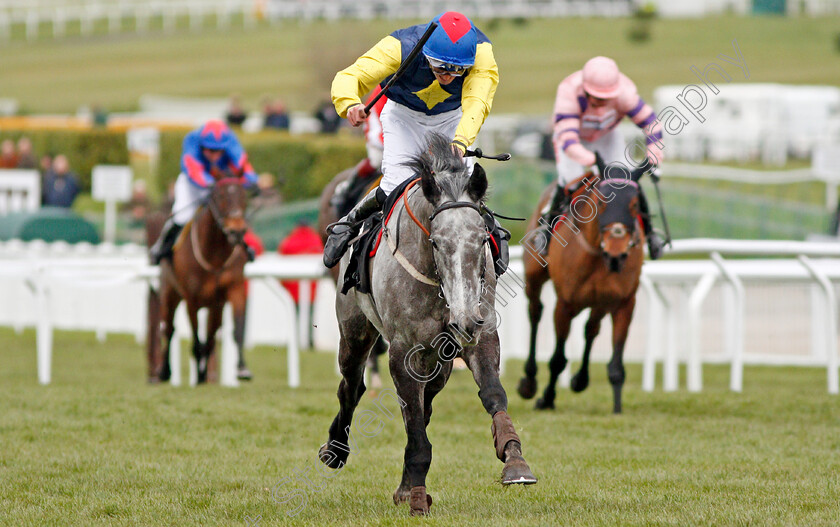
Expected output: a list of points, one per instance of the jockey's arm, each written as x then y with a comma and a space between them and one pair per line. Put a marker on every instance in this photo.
477, 96
195, 171
644, 117
351, 83
566, 134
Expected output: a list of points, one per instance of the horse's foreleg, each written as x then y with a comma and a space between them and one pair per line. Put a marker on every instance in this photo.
593, 326
418, 449
533, 287
214, 322
153, 348
169, 300
483, 361
431, 389
353, 350
238, 298
563, 316
198, 346
615, 369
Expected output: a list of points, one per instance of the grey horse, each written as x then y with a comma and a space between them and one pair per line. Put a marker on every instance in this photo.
432, 298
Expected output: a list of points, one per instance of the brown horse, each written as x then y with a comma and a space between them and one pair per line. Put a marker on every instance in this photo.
328, 213
594, 260
207, 270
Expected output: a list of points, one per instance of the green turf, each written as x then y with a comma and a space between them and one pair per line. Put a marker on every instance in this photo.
100, 447
297, 61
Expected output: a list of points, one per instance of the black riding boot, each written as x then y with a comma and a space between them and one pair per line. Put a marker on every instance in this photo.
162, 248
347, 228
500, 238
656, 244
557, 205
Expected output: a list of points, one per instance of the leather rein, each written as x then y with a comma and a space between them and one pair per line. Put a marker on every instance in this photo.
219, 220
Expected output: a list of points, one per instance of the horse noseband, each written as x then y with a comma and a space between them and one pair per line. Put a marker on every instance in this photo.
619, 230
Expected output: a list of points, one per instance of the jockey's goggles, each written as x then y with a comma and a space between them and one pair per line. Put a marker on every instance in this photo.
442, 68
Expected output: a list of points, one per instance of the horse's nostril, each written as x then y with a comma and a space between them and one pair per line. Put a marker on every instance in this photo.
480, 322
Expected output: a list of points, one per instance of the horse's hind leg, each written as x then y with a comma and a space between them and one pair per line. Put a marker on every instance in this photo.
593, 326
615, 369
483, 361
534, 280
563, 316
380, 347
357, 337
238, 298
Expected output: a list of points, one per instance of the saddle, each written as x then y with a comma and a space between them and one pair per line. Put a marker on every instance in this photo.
357, 273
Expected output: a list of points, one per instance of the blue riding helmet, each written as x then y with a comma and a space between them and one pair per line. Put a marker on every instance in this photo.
215, 135
453, 42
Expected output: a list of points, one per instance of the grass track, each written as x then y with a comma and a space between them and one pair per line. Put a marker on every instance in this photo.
99, 447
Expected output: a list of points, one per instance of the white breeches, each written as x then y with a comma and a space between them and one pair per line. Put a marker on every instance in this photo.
404, 133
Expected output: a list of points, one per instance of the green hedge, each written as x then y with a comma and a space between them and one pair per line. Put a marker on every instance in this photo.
303, 164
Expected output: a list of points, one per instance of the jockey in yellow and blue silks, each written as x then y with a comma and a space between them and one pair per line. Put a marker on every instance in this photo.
209, 153
448, 89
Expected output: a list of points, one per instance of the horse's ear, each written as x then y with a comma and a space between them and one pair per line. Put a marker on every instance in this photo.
478, 183
430, 187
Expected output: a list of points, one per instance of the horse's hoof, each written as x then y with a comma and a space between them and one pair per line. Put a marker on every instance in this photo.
401, 495
153, 379
331, 458
527, 387
164, 375
244, 374
579, 382
419, 501
542, 404
517, 471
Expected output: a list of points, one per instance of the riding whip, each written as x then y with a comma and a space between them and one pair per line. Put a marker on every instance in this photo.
404, 66
655, 179
481, 155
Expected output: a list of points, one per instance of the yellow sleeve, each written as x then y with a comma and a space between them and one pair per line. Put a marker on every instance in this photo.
350, 84
477, 95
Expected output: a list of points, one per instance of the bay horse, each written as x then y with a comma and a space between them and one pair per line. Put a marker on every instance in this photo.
328, 213
594, 261
206, 270
432, 297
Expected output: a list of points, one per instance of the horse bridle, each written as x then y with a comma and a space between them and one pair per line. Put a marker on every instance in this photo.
440, 208
219, 220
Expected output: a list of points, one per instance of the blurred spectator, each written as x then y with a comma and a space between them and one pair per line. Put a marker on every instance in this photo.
61, 185
235, 113
45, 164
275, 115
269, 196
8, 157
138, 205
25, 157
99, 115
330, 121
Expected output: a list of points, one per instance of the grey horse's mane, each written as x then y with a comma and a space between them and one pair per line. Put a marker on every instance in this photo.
439, 162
